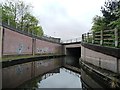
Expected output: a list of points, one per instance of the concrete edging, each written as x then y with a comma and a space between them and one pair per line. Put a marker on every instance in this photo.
115, 52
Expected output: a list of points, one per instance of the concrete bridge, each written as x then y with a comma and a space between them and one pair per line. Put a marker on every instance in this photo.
72, 49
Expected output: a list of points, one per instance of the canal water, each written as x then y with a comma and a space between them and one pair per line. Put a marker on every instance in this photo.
59, 78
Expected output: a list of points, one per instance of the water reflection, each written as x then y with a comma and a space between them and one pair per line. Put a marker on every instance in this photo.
62, 78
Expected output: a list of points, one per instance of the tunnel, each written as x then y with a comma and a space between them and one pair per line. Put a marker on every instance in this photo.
72, 56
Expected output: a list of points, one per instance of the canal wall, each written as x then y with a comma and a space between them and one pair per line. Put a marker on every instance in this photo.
1, 33
47, 47
119, 64
103, 57
16, 42
93, 75
90, 83
100, 57
15, 75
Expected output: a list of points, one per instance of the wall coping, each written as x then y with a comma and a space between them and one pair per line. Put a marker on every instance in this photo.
115, 52
71, 43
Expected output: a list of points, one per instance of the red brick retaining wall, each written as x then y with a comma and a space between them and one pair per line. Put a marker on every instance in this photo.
15, 43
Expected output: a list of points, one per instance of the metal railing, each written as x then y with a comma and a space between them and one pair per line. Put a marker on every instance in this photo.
72, 40
109, 38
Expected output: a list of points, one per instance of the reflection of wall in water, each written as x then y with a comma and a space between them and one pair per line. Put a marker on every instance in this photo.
87, 80
26, 71
73, 55
70, 60
51, 73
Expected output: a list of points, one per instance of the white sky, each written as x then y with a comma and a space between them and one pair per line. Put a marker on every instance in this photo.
66, 18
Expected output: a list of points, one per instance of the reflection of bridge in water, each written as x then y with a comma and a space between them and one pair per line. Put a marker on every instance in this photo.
54, 72
55, 78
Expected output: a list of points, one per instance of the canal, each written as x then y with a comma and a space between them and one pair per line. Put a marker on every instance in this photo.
49, 73
58, 78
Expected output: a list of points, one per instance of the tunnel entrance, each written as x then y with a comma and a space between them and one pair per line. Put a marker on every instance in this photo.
73, 55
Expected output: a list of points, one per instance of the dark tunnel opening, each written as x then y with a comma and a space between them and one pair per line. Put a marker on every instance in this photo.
73, 55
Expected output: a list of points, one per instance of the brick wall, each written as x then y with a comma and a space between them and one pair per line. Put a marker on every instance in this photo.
1, 32
119, 65
16, 43
47, 47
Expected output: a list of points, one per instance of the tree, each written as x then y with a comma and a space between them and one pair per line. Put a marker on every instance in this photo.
109, 10
39, 31
9, 12
31, 23
110, 18
17, 14
22, 10
7, 15
99, 23
111, 13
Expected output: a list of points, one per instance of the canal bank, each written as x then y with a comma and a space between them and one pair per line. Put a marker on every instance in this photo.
101, 63
94, 77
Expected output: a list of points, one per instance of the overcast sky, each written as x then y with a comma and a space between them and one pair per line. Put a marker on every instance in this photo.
66, 18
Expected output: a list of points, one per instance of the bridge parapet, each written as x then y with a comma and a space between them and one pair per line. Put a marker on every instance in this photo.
75, 40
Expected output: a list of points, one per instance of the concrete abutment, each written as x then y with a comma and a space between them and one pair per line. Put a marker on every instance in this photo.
100, 62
